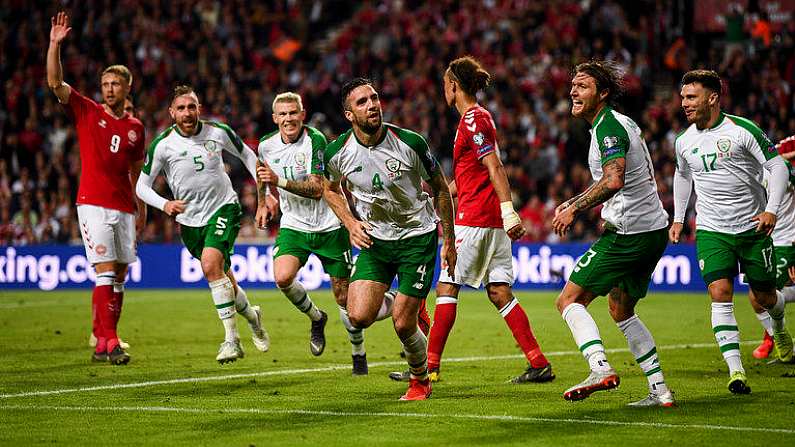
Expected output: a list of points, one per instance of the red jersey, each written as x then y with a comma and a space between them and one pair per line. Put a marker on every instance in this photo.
108, 145
476, 137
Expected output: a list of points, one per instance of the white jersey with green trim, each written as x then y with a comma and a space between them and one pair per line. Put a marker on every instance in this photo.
726, 162
194, 168
296, 161
784, 233
635, 208
386, 181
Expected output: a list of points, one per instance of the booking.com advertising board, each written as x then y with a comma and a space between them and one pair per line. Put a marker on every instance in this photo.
536, 266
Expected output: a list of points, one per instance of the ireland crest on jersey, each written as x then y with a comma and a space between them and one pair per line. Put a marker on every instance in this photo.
724, 144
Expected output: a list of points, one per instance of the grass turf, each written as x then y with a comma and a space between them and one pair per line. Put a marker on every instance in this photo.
288, 397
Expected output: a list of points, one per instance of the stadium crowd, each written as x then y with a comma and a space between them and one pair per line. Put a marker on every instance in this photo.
240, 54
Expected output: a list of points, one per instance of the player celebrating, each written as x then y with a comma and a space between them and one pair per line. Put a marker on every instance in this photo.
307, 224
620, 263
485, 224
111, 155
725, 155
206, 207
385, 166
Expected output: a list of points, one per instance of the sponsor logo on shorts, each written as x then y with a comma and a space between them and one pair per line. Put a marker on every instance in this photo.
101, 250
701, 264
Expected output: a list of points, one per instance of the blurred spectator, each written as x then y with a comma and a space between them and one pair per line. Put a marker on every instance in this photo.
240, 53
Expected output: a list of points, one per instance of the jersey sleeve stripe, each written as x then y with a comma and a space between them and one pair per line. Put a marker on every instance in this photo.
150, 152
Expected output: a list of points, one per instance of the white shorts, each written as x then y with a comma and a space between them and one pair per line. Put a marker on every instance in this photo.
108, 234
484, 255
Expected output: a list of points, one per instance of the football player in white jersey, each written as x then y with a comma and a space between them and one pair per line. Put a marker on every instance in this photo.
725, 155
620, 263
206, 207
396, 229
783, 250
291, 159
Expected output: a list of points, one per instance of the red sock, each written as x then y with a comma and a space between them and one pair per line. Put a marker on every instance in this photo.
520, 327
443, 320
118, 298
106, 310
423, 319
98, 301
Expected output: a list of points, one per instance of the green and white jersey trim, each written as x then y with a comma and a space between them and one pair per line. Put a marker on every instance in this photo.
725, 162
386, 181
194, 169
296, 161
636, 208
784, 233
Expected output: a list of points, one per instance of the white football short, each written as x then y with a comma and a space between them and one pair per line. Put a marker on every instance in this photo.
108, 234
484, 256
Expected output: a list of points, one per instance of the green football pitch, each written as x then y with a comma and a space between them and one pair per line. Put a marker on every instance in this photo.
174, 393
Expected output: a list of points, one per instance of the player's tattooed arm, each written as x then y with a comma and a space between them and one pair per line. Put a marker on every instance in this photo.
443, 202
611, 182
311, 188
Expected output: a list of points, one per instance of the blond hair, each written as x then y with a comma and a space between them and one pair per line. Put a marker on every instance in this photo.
121, 71
288, 97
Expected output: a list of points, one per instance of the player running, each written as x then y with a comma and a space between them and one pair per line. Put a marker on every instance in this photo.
307, 225
385, 166
205, 205
485, 224
725, 155
620, 263
111, 156
783, 250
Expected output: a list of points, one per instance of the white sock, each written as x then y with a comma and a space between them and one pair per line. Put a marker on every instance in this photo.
386, 305
416, 349
586, 335
777, 313
766, 322
118, 287
724, 325
243, 307
296, 293
642, 347
223, 297
356, 336
789, 294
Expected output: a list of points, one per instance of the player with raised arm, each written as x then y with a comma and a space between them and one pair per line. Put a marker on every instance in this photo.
485, 224
111, 155
291, 158
725, 155
620, 263
206, 206
385, 167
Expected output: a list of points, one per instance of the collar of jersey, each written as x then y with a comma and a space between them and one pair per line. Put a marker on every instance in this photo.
721, 117
198, 129
383, 137
601, 114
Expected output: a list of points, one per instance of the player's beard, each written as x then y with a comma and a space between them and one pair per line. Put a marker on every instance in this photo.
370, 128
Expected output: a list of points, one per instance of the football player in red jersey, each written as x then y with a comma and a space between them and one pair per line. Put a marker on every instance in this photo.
485, 224
111, 155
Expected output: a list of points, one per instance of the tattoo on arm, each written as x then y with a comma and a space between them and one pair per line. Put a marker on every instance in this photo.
311, 188
606, 187
443, 203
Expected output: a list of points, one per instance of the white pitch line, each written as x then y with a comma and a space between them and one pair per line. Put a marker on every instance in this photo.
478, 417
285, 372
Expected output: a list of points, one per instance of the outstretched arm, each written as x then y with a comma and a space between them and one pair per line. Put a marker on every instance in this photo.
60, 29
